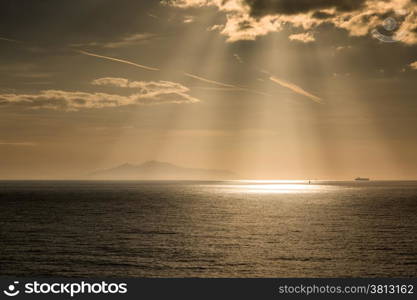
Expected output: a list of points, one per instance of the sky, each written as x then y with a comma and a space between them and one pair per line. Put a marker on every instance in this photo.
268, 89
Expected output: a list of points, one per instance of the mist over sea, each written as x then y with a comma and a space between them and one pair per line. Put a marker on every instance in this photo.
208, 229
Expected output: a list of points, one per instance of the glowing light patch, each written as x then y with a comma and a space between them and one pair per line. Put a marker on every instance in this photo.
273, 187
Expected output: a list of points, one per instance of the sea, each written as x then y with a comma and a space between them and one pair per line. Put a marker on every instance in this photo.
208, 229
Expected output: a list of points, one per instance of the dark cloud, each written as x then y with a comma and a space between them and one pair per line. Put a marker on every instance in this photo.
245, 25
56, 21
290, 7
322, 15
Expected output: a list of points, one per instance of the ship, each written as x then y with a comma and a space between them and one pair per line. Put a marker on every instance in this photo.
361, 179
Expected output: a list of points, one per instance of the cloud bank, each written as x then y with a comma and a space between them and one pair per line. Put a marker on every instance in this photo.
249, 19
146, 93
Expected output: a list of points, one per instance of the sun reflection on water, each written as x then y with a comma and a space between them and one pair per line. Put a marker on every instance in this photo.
274, 187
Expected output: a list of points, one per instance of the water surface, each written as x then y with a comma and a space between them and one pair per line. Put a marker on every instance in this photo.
208, 229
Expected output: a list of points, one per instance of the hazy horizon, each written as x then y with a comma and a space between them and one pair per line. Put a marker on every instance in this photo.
265, 89
236, 177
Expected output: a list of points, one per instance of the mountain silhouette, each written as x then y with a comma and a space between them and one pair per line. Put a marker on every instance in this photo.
155, 170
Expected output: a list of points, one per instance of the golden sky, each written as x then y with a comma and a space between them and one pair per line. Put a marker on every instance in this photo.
268, 89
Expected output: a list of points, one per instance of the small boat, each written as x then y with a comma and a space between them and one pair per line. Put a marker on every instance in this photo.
362, 179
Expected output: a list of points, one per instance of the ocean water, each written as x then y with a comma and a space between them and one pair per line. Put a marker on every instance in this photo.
208, 229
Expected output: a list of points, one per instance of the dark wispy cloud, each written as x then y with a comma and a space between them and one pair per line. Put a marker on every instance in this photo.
125, 41
17, 144
229, 87
296, 89
291, 7
55, 22
211, 81
9, 40
123, 61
